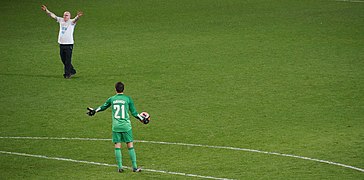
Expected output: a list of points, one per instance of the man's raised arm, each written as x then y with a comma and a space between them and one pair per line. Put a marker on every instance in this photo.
52, 15
79, 14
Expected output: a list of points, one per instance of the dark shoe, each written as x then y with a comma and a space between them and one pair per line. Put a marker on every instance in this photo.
120, 170
72, 74
137, 169
67, 76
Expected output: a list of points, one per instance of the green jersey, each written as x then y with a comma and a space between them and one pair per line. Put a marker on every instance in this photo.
121, 105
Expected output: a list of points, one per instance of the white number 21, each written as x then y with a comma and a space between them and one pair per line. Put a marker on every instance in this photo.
117, 108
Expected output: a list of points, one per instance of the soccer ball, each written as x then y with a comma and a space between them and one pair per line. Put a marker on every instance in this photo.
145, 115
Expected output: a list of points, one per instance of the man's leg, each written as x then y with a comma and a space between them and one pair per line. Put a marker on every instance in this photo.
72, 69
68, 59
128, 137
118, 156
62, 53
116, 138
132, 156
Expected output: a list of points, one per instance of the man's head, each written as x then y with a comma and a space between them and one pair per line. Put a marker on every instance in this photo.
66, 15
119, 87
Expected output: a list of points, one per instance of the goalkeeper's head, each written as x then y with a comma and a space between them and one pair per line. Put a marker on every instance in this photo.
119, 87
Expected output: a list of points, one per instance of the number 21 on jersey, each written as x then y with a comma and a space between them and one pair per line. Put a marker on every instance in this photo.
119, 108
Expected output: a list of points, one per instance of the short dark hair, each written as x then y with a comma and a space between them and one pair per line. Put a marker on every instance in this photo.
119, 87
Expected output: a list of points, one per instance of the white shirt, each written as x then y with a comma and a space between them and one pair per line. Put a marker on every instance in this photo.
65, 35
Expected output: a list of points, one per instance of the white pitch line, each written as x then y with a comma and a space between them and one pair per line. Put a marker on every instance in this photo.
256, 151
199, 145
354, 1
110, 165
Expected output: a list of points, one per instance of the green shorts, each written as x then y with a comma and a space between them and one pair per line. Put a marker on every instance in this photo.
118, 137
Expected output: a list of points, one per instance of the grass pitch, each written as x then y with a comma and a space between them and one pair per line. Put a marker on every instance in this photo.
277, 76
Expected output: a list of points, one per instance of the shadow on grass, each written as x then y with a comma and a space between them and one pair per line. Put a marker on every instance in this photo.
36, 75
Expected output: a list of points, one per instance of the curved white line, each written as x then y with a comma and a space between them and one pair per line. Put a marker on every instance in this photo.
110, 165
198, 145
354, 1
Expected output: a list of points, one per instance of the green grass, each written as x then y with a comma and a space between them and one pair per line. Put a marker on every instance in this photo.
277, 76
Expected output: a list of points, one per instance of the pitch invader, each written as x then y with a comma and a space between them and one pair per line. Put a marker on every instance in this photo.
65, 39
121, 125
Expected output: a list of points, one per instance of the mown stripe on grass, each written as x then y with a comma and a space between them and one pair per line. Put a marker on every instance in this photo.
199, 145
353, 1
110, 165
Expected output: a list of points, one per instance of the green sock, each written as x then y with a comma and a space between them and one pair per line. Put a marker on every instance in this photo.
133, 157
119, 160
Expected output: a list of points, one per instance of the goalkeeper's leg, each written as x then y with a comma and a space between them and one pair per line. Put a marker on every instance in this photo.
128, 136
132, 155
118, 156
116, 138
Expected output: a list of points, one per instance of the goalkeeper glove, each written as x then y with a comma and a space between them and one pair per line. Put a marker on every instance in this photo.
91, 111
145, 117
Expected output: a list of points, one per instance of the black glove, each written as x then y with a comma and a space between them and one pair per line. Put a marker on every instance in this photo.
146, 121
91, 111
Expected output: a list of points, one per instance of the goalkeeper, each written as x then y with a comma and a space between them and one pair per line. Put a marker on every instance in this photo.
121, 126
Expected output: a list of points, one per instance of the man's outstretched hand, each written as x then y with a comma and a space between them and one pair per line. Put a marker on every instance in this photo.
44, 8
79, 13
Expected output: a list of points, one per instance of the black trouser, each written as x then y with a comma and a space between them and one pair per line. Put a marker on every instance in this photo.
66, 57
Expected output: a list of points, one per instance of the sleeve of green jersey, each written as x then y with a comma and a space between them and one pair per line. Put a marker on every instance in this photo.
132, 109
104, 106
